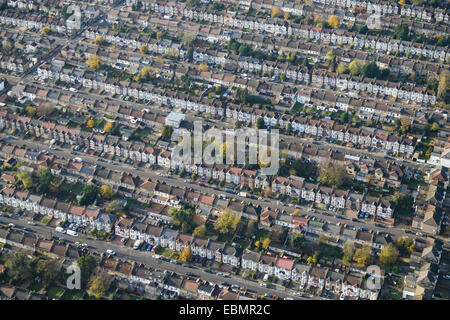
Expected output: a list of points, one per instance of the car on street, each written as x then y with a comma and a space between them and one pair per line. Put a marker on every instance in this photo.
31, 223
111, 252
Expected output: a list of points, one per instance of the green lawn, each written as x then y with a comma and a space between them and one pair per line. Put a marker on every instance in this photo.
55, 293
45, 220
73, 295
261, 235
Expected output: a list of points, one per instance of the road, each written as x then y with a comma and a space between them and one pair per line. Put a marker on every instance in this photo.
149, 260
145, 173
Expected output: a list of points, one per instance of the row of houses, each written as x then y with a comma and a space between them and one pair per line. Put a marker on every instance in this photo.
92, 217
310, 33
266, 263
33, 21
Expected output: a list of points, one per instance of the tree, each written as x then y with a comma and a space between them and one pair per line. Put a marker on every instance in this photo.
166, 132
260, 123
227, 222
188, 38
266, 243
159, 35
87, 265
47, 269
434, 127
6, 45
89, 195
45, 30
444, 84
388, 255
276, 12
332, 174
45, 177
186, 254
371, 70
106, 192
99, 286
302, 168
286, 16
94, 62
182, 218
333, 21
143, 49
114, 206
245, 50
90, 123
342, 68
200, 231
401, 32
203, 67
348, 251
362, 255
31, 110
99, 40
298, 241
355, 68
19, 267
405, 246
25, 178
108, 126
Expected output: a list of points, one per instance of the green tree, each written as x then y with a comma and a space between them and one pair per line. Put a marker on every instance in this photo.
405, 246
114, 206
401, 32
89, 195
47, 269
348, 251
371, 70
298, 242
87, 265
45, 177
19, 267
302, 168
444, 84
182, 218
260, 123
166, 133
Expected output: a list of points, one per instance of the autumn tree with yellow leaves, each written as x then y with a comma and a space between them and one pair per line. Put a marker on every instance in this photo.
94, 62
333, 21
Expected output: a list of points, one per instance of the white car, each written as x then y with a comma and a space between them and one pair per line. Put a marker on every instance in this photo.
111, 252
85, 245
32, 223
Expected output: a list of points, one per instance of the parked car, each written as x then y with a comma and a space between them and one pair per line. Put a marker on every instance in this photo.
111, 252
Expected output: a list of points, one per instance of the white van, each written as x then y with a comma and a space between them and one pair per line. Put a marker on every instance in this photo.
59, 229
137, 244
72, 233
